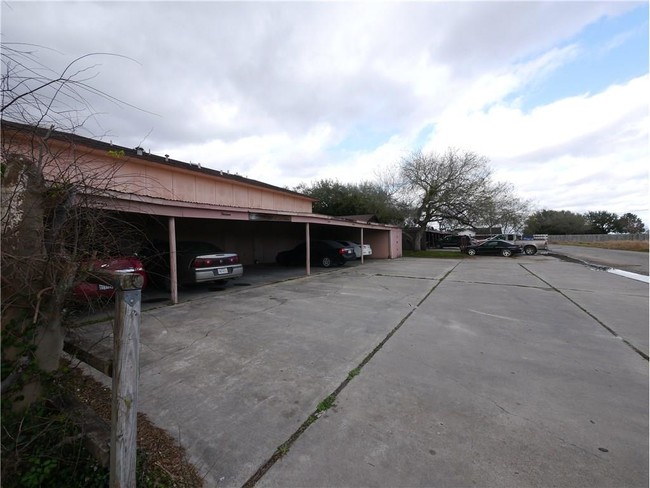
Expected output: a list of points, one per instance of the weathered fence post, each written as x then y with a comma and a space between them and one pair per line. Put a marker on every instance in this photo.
126, 374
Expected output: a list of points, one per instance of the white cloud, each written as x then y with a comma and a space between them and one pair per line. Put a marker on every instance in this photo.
505, 131
298, 91
580, 153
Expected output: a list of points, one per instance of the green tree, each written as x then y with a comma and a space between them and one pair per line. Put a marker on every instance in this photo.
337, 199
630, 223
555, 222
602, 222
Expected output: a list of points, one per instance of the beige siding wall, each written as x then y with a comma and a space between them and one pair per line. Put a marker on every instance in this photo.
159, 183
140, 177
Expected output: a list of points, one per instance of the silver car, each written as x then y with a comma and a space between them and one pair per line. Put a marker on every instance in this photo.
196, 262
366, 250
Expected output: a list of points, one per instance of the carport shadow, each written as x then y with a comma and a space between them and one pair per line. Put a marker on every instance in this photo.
152, 298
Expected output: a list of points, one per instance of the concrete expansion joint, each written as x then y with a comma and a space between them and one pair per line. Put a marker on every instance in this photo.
408, 277
514, 285
598, 321
329, 401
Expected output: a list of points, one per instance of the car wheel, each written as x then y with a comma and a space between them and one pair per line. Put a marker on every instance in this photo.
530, 250
506, 252
471, 252
326, 262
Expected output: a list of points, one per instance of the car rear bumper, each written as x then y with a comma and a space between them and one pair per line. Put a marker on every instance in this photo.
87, 290
218, 273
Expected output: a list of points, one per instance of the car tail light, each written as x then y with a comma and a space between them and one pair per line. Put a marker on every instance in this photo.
343, 251
137, 266
212, 262
204, 263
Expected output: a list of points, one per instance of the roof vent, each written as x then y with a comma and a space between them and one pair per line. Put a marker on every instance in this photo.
166, 158
139, 151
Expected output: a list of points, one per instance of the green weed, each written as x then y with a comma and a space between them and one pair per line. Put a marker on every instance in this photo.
326, 404
354, 372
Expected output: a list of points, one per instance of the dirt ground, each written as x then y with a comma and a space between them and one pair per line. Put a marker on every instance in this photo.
163, 452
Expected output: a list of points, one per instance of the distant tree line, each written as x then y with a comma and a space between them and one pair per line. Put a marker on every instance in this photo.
340, 199
564, 222
452, 190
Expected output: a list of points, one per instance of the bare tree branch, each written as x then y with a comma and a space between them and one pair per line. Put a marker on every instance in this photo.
454, 188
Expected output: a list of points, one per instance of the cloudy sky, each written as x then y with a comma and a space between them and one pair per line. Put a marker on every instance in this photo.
555, 94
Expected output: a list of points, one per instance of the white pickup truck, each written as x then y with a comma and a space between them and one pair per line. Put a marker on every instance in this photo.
530, 243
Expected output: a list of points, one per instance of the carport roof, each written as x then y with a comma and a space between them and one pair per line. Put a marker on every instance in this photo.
127, 202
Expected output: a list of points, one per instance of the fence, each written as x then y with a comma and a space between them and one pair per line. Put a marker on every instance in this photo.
597, 237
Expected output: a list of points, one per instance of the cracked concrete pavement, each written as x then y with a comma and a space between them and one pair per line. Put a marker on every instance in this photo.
501, 372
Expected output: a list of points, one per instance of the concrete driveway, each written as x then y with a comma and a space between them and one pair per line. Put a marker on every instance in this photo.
500, 372
634, 262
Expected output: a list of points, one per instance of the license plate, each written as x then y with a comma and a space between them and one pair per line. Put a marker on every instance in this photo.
104, 287
220, 271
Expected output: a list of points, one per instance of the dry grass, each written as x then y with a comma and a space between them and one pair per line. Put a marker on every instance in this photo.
166, 462
640, 246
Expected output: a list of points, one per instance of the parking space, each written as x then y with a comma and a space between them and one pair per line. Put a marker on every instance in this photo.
254, 275
482, 371
152, 297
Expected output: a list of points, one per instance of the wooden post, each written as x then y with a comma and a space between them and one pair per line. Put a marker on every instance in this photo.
126, 374
173, 271
307, 249
361, 245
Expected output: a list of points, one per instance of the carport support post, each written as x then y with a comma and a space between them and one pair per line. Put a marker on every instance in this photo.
173, 271
307, 249
361, 245
126, 373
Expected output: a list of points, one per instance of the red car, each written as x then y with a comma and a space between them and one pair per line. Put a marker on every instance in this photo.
93, 289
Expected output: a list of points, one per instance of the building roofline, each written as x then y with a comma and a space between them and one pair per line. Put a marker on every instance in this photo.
145, 156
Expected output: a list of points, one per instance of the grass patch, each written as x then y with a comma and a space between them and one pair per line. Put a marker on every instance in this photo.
354, 372
283, 450
326, 404
434, 253
639, 246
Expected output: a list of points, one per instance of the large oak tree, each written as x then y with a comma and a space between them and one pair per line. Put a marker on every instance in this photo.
455, 188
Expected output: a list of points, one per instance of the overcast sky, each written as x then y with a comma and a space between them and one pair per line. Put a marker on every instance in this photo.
554, 94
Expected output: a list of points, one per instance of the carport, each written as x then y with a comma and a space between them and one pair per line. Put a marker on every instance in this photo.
256, 236
179, 200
